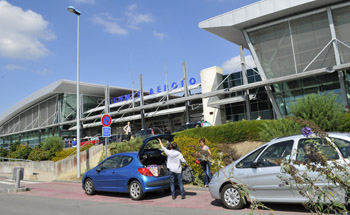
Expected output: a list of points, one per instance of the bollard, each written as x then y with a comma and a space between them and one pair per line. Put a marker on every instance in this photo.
17, 185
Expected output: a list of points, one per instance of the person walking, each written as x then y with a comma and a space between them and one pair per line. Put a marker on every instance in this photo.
127, 130
204, 155
175, 158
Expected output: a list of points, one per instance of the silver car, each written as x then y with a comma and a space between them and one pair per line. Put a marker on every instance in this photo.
259, 173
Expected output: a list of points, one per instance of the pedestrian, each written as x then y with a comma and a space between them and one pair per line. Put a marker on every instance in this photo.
175, 158
127, 130
204, 158
259, 118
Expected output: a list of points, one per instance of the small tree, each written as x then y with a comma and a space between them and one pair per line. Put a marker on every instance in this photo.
322, 110
52, 145
3, 152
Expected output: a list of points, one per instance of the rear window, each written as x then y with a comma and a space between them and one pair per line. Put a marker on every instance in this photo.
343, 146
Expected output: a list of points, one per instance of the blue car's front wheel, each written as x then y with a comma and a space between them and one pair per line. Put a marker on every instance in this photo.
135, 190
89, 187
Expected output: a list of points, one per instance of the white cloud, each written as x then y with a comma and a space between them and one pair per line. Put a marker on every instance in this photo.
234, 64
21, 33
160, 35
135, 19
84, 1
43, 72
13, 67
110, 26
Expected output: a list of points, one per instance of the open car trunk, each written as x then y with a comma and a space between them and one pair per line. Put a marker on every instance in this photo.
152, 158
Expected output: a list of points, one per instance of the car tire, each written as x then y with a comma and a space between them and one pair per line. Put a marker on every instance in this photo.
89, 187
231, 197
135, 190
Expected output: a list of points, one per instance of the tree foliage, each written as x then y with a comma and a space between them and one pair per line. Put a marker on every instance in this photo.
323, 110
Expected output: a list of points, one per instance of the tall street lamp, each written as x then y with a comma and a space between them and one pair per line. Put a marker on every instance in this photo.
73, 10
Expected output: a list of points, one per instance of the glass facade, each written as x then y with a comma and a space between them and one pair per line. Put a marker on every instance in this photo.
288, 92
341, 19
301, 44
259, 105
42, 120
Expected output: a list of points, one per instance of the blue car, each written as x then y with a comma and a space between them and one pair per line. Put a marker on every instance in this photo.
136, 173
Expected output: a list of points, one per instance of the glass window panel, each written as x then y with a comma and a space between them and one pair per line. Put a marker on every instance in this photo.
274, 49
310, 35
341, 18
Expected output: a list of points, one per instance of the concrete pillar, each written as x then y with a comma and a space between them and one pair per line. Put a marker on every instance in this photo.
210, 79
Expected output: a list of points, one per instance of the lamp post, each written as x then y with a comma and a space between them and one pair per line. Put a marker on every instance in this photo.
71, 9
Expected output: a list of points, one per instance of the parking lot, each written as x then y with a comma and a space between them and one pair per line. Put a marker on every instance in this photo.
198, 199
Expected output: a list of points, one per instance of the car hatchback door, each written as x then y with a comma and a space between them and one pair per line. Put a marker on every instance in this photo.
263, 180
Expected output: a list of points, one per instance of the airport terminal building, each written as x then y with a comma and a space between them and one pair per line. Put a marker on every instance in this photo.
299, 48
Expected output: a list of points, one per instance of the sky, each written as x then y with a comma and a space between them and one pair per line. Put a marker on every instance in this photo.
119, 41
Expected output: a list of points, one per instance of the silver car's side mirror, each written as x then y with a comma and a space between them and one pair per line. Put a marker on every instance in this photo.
254, 164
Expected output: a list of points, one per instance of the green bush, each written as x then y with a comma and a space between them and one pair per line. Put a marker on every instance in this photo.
345, 123
189, 147
38, 154
247, 130
278, 128
129, 146
3, 152
52, 145
13, 146
322, 110
22, 152
60, 155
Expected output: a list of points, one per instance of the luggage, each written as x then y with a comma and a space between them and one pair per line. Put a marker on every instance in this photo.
187, 175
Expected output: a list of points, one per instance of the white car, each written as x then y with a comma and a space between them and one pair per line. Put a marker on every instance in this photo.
258, 171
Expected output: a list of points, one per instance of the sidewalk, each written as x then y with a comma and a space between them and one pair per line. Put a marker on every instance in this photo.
7, 185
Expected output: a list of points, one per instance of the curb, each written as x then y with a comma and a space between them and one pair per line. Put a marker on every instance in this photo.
14, 190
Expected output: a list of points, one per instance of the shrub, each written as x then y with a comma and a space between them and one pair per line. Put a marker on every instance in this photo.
278, 128
323, 110
129, 146
189, 147
60, 155
13, 146
22, 152
345, 123
227, 133
37, 154
52, 145
3, 152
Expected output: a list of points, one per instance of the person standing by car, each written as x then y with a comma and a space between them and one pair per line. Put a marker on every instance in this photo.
203, 155
175, 158
127, 130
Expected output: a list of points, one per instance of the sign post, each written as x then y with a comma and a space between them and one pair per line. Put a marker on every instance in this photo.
106, 130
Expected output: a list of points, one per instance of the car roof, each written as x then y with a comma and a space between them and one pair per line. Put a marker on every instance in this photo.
300, 136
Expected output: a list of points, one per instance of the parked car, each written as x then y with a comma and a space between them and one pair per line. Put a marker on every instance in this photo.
87, 140
193, 125
135, 173
147, 132
258, 171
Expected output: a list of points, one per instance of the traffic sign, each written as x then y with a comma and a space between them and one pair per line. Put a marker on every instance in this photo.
106, 120
106, 131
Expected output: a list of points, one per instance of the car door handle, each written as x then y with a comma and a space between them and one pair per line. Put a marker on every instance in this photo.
113, 172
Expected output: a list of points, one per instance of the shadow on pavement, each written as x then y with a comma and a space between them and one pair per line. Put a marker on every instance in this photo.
274, 206
148, 196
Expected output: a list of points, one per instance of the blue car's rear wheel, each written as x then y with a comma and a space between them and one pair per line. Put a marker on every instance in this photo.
135, 190
231, 197
89, 187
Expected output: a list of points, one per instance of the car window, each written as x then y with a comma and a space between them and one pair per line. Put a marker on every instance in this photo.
125, 161
274, 154
157, 131
343, 146
111, 163
247, 161
306, 147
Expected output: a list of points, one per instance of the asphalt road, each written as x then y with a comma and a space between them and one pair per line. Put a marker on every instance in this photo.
69, 198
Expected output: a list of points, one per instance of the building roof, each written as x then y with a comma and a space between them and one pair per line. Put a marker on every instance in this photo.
230, 25
58, 87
